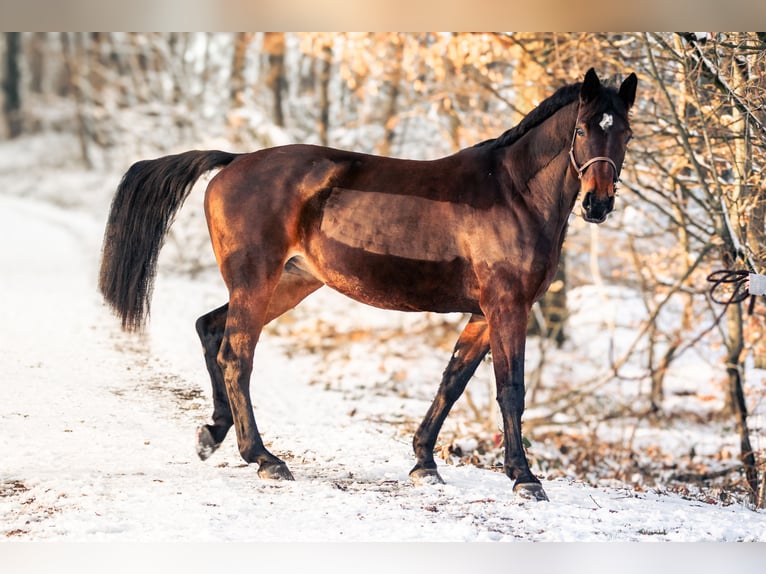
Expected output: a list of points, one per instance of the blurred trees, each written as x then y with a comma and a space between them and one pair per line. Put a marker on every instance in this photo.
711, 95
692, 198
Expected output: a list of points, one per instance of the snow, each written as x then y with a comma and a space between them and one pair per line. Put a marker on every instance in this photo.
98, 425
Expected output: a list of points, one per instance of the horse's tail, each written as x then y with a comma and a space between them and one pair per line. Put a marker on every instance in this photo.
147, 199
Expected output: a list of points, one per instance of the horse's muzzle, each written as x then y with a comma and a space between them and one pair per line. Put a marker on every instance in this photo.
595, 210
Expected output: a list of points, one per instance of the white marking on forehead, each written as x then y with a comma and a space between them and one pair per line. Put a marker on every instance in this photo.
606, 121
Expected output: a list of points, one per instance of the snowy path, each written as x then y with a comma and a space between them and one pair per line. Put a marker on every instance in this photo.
98, 432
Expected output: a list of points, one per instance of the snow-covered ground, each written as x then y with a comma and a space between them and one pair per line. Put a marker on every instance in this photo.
98, 425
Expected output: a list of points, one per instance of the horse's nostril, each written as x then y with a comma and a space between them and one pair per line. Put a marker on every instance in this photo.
595, 210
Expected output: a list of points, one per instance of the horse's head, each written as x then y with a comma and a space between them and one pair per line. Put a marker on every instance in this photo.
600, 138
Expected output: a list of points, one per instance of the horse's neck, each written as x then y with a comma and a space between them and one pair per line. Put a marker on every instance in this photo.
538, 165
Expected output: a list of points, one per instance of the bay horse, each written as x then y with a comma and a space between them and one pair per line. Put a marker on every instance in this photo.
478, 232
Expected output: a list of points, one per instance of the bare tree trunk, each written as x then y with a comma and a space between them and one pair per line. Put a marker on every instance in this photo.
734, 370
178, 44
139, 64
391, 113
274, 46
64, 77
324, 97
37, 60
97, 63
12, 84
206, 69
73, 55
238, 86
658, 372
454, 123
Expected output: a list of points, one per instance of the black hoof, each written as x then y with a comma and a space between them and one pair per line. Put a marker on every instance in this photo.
423, 476
275, 471
206, 444
530, 491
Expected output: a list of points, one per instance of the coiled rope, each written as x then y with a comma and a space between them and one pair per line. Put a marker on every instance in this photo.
733, 282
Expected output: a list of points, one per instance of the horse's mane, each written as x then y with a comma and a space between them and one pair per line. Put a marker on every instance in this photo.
563, 96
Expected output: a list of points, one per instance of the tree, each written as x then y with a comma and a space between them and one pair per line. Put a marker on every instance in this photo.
238, 84
274, 47
11, 84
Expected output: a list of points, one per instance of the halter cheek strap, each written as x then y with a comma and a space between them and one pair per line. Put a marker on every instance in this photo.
580, 169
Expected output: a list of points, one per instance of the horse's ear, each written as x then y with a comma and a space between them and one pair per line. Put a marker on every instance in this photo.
591, 86
628, 90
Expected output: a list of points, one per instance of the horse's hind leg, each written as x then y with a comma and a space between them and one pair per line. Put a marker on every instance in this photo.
470, 349
294, 286
210, 329
250, 294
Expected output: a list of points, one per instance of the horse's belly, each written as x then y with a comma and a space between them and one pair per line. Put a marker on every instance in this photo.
394, 282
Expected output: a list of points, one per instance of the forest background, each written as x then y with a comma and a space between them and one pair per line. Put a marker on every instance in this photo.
691, 202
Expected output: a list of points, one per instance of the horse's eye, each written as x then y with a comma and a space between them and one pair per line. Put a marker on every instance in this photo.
580, 132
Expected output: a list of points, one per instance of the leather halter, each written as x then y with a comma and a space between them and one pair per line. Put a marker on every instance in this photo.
581, 169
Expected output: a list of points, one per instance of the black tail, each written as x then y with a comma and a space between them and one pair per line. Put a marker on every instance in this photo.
147, 199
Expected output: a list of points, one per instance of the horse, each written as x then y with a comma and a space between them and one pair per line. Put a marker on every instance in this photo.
478, 232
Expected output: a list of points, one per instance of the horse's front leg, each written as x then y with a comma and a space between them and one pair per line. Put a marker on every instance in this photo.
507, 317
470, 349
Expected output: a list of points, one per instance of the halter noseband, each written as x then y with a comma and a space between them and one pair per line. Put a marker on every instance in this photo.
581, 169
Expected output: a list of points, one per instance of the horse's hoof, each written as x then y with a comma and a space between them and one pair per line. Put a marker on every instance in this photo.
423, 476
530, 491
206, 444
275, 471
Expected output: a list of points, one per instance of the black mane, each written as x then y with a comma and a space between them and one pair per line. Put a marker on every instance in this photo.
562, 97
